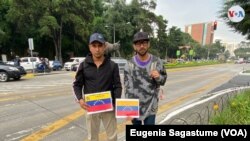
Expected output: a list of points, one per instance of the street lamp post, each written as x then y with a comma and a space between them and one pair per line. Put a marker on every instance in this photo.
114, 37
107, 26
114, 32
166, 56
208, 53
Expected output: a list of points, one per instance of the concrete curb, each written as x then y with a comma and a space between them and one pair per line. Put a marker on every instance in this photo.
198, 101
241, 73
32, 75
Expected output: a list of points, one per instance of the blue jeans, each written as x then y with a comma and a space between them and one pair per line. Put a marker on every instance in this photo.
150, 120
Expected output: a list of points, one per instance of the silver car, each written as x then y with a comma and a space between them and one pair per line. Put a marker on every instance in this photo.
121, 63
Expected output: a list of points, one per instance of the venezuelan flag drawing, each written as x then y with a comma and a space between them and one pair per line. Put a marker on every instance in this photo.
99, 102
127, 108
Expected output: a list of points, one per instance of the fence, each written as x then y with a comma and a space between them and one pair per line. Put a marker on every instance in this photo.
201, 111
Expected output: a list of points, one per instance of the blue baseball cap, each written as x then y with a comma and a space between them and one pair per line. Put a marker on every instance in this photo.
96, 37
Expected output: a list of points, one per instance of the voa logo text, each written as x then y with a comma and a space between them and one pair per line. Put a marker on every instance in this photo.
236, 14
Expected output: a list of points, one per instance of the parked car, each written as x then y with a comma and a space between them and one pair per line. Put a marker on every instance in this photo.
55, 65
10, 71
73, 61
74, 67
239, 61
121, 63
29, 63
180, 60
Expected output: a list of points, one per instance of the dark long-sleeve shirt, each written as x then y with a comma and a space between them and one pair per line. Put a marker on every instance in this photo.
90, 79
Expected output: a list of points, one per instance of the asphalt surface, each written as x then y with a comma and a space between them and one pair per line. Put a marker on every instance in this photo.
237, 81
181, 77
202, 112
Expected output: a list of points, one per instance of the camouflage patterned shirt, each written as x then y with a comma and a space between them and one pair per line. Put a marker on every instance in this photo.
139, 85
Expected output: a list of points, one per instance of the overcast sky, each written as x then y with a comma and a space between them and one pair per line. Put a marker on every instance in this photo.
184, 12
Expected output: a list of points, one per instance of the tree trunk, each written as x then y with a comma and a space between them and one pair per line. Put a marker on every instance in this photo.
60, 42
56, 46
57, 38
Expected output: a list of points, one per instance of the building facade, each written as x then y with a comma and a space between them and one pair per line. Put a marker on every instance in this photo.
231, 47
201, 32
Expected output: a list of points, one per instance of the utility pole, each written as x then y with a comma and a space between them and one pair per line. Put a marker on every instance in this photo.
114, 38
208, 52
114, 33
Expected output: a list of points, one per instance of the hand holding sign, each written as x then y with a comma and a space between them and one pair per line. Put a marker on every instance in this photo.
83, 104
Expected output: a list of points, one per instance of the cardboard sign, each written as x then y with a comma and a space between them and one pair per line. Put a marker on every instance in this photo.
99, 102
127, 108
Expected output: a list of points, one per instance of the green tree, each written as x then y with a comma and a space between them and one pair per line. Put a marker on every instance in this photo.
117, 25
242, 27
123, 20
161, 39
4, 26
50, 17
227, 54
98, 23
63, 27
174, 37
214, 50
242, 53
200, 52
177, 38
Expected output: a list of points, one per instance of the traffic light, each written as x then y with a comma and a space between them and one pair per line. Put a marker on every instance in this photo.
215, 25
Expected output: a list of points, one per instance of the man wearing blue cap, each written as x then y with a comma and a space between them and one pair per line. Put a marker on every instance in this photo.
97, 73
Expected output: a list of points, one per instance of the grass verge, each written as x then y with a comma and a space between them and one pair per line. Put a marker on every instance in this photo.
237, 112
191, 64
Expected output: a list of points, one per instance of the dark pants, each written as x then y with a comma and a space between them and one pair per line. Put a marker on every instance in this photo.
150, 120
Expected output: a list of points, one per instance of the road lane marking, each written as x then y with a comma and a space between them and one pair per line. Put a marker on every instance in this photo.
210, 75
192, 68
64, 121
121, 126
29, 76
33, 87
73, 74
194, 93
10, 98
169, 105
5, 90
30, 97
54, 126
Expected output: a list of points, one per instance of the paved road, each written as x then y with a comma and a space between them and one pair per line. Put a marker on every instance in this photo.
43, 107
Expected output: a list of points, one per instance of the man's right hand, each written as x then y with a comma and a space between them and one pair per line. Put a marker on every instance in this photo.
83, 104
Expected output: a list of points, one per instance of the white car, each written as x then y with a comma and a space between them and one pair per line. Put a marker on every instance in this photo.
68, 66
121, 63
29, 63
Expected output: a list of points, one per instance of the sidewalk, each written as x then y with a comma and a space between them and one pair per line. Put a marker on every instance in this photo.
32, 75
49, 73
